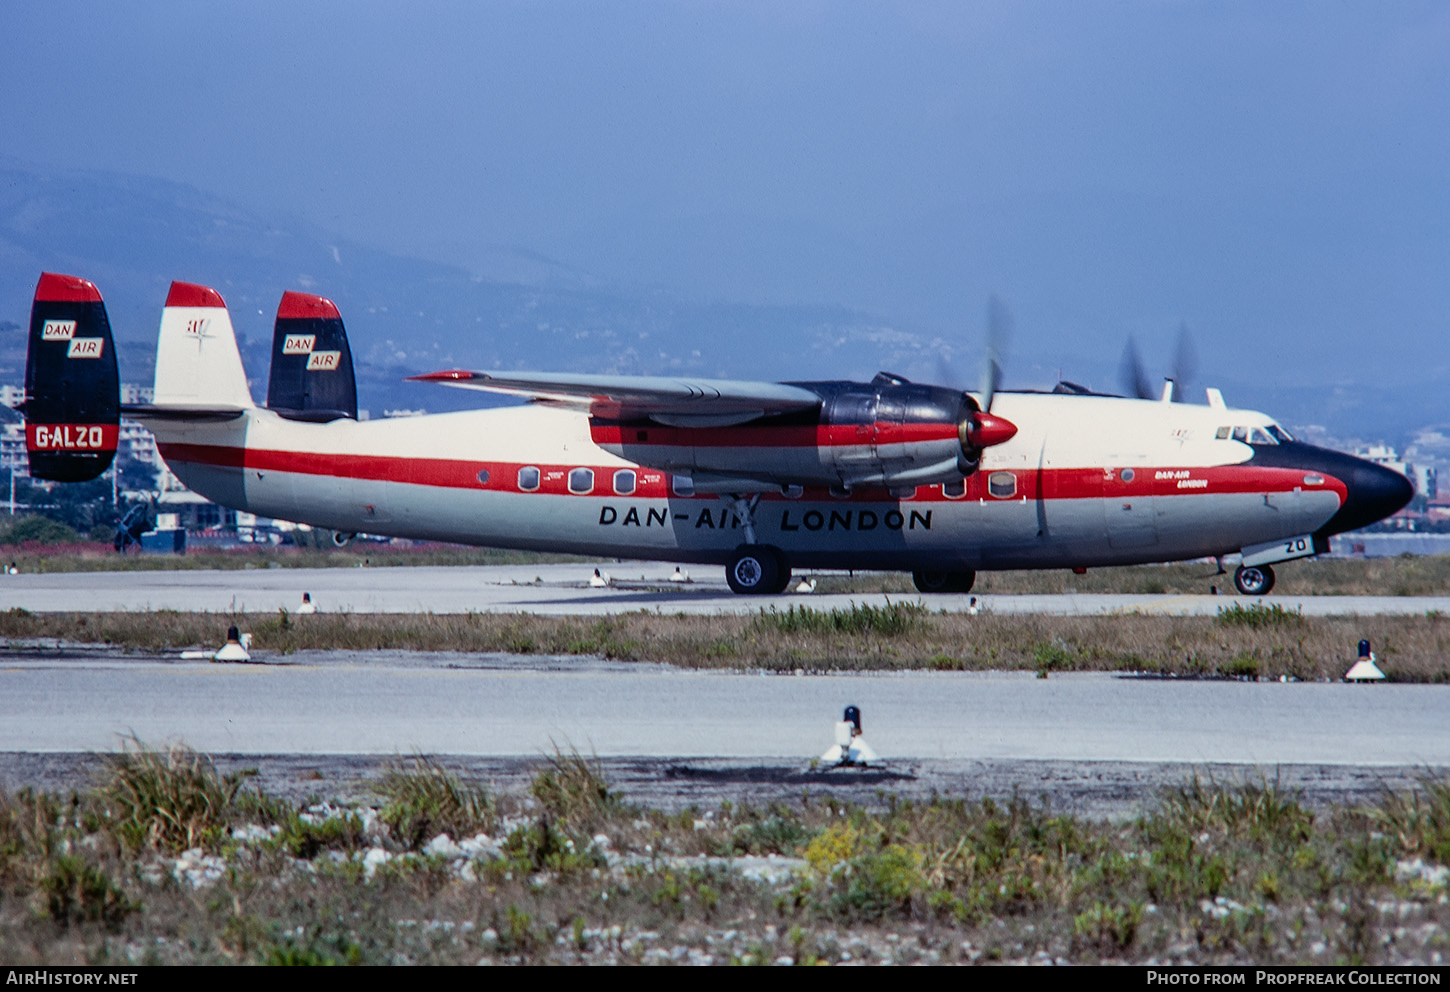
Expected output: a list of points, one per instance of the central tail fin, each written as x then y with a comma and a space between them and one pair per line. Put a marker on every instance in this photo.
73, 391
198, 366
312, 376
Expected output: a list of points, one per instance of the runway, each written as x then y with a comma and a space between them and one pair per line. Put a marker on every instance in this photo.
564, 590
397, 703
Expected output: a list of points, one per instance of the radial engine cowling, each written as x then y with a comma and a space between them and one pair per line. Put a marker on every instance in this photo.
888, 433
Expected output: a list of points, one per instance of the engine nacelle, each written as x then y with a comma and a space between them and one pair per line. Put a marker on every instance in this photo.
886, 433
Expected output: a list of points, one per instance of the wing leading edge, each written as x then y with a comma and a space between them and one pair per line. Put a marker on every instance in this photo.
675, 402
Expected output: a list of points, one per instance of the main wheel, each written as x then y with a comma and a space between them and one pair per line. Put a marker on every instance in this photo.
782, 565
754, 569
943, 581
1254, 580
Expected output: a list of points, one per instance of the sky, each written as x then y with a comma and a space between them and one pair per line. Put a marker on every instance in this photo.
1274, 175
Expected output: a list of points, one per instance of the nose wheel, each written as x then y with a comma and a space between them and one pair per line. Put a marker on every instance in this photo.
757, 570
1254, 580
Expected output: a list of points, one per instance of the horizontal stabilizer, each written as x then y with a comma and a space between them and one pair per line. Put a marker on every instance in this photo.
312, 375
150, 411
73, 391
713, 402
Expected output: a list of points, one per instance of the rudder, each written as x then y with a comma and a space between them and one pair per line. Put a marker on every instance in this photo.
72, 386
312, 376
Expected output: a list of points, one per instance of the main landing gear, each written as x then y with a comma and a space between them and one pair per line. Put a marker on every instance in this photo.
1254, 580
754, 569
758, 569
943, 581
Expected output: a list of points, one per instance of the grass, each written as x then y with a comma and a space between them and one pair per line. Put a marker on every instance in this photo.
85, 556
1254, 642
423, 799
171, 800
1207, 873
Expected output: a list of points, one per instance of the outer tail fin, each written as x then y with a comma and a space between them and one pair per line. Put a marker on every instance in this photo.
312, 376
198, 366
73, 405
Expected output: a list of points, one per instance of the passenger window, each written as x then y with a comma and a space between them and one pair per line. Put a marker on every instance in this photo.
483, 477
1002, 484
683, 485
624, 482
792, 491
528, 478
581, 481
954, 490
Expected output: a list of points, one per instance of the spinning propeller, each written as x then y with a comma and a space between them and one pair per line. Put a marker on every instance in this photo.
1135, 379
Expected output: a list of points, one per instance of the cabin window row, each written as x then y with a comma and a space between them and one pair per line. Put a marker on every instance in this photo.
1002, 485
581, 480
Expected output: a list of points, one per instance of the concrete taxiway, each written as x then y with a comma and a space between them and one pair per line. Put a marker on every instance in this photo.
564, 589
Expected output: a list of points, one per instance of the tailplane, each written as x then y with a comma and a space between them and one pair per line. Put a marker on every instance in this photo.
312, 377
73, 391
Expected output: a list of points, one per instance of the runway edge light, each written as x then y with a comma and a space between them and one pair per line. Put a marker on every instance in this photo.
1365, 669
850, 749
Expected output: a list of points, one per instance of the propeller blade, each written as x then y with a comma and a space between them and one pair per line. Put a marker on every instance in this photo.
1185, 363
1130, 373
999, 335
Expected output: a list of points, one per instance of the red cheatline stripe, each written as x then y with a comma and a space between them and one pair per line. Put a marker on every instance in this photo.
305, 306
1049, 484
189, 294
54, 288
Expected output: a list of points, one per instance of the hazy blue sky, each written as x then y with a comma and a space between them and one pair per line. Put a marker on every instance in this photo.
1277, 174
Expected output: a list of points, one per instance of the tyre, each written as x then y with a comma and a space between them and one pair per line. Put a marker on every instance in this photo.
782, 577
754, 569
933, 582
1254, 580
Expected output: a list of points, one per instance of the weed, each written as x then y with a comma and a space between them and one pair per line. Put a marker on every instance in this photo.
1107, 929
574, 791
423, 799
890, 620
171, 801
1256, 616
72, 890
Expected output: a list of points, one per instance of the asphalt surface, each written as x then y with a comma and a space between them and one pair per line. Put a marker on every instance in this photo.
558, 590
1097, 742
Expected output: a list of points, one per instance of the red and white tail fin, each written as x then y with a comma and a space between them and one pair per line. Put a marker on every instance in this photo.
197, 361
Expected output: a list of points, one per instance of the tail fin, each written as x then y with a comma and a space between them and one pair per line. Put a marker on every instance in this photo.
312, 377
197, 362
73, 405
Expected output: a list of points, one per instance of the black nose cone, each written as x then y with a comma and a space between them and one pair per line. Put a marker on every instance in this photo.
1374, 493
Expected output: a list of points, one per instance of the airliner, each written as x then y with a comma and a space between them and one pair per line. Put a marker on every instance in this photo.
759, 477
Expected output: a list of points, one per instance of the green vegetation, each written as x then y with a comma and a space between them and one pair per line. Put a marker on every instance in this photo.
567, 871
424, 799
1251, 642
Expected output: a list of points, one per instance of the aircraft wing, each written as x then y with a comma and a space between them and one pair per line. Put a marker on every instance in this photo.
671, 401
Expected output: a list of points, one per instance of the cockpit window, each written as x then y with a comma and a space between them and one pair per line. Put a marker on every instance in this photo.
1241, 433
1222, 434
1279, 434
1257, 435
